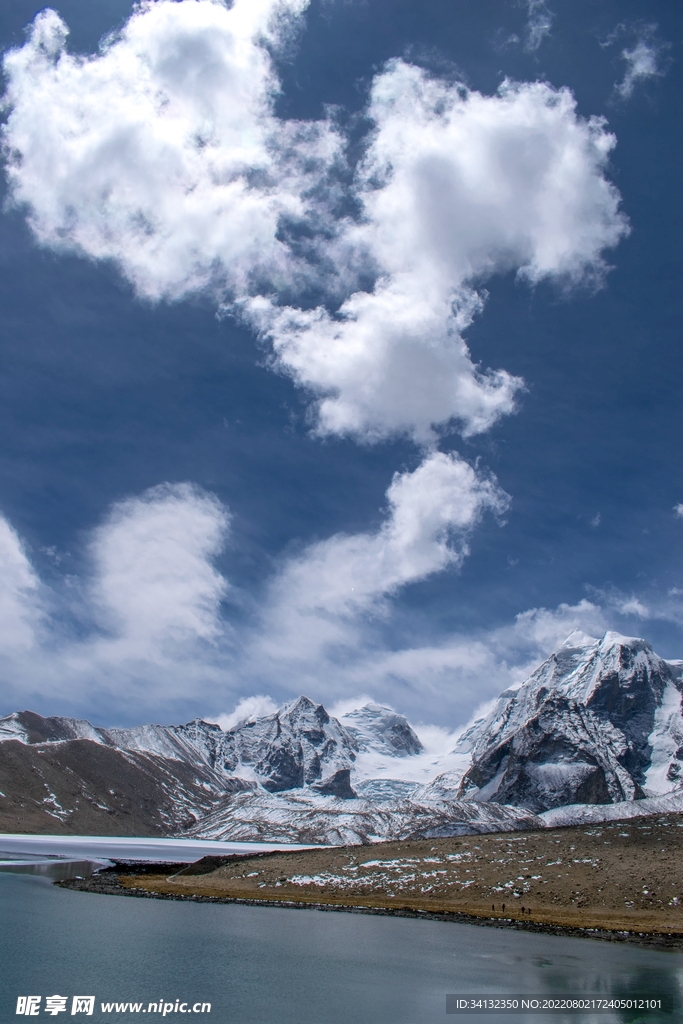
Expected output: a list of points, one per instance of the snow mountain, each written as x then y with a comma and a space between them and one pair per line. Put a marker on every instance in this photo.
599, 722
299, 745
597, 727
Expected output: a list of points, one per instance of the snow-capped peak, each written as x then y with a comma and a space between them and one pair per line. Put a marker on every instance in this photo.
577, 638
381, 729
584, 727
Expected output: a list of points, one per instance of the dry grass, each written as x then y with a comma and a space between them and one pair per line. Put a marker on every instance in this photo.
617, 876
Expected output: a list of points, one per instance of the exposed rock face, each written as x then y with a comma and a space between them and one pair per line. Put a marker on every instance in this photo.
338, 784
586, 727
300, 745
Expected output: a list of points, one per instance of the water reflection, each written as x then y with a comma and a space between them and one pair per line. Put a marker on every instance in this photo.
278, 966
54, 868
661, 983
559, 977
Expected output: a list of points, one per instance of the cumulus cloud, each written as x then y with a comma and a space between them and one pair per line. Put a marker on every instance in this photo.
389, 362
678, 511
161, 152
190, 182
455, 186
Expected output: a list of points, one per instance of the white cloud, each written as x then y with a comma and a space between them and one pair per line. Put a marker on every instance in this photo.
445, 681
246, 710
321, 599
632, 606
390, 362
641, 62
147, 624
451, 680
651, 606
161, 152
646, 58
326, 627
474, 183
351, 703
142, 627
20, 591
539, 23
455, 186
154, 587
678, 511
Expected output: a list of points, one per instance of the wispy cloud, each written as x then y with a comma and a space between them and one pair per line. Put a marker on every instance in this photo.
142, 622
320, 604
144, 632
146, 622
21, 607
647, 57
538, 26
652, 605
153, 584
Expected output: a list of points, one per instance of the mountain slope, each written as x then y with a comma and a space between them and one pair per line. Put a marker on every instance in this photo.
302, 817
598, 722
79, 787
597, 726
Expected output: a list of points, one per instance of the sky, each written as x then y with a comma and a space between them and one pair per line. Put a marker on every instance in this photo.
340, 349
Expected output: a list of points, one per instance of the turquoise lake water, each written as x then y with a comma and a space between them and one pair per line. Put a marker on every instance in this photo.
259, 965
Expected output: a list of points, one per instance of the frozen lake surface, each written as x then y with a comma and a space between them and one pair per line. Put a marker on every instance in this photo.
127, 848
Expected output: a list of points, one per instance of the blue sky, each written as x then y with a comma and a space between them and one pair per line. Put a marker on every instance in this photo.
330, 364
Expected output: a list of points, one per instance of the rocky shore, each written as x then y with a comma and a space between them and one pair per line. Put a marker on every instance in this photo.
619, 880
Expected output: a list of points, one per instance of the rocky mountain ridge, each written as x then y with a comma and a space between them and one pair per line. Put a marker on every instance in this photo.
599, 723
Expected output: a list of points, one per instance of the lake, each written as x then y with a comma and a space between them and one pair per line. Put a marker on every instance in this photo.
260, 965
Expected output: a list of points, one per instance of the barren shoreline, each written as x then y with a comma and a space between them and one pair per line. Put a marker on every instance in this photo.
114, 886
619, 881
